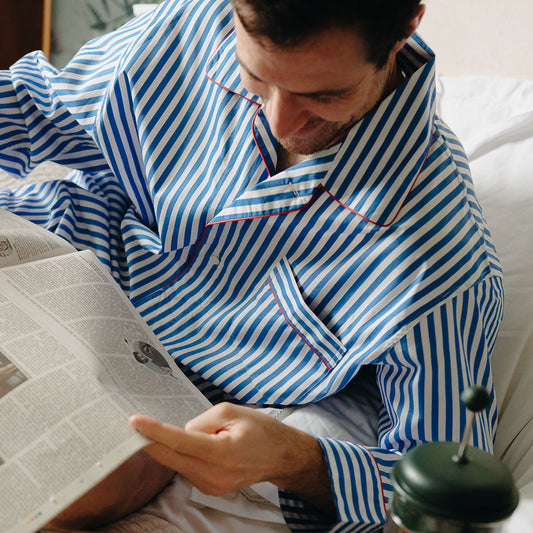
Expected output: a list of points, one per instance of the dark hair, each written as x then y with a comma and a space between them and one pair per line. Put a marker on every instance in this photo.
285, 23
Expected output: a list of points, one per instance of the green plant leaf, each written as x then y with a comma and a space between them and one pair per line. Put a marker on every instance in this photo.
128, 8
105, 3
99, 23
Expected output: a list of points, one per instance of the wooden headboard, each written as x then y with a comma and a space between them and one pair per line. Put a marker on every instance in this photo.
487, 37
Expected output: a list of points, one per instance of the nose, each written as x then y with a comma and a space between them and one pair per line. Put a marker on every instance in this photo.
284, 112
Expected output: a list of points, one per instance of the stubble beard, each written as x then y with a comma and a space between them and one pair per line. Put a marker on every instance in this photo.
332, 132
329, 134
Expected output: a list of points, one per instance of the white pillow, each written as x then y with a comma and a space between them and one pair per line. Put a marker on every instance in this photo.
493, 118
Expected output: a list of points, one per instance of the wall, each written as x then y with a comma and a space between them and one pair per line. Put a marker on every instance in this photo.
491, 37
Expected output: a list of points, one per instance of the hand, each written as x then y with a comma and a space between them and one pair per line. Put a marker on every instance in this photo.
230, 447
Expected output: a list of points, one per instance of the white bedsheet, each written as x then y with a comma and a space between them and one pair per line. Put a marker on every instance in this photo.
493, 117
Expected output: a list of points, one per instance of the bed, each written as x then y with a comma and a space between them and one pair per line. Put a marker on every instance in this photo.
485, 93
494, 119
485, 88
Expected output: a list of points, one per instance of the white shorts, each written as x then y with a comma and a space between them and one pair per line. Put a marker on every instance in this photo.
181, 508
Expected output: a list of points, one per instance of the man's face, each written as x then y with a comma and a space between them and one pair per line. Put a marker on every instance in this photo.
312, 93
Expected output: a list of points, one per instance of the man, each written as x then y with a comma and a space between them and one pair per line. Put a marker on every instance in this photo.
270, 184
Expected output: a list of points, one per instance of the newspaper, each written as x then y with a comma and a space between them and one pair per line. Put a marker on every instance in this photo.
76, 360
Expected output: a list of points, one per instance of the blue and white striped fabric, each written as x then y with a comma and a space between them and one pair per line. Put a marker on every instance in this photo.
274, 288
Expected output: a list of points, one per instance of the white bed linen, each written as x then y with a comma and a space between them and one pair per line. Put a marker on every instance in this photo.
493, 117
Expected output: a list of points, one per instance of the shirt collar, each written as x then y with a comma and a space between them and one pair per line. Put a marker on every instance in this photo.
223, 69
376, 165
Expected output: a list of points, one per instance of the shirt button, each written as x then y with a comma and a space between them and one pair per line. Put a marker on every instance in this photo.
215, 259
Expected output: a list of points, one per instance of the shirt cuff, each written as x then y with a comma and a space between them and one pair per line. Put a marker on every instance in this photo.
360, 480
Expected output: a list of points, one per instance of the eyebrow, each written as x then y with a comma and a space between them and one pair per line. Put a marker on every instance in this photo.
326, 92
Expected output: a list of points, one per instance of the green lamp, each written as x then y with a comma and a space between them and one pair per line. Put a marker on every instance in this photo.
449, 487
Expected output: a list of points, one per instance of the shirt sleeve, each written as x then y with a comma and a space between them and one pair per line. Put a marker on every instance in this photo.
47, 114
37, 124
420, 379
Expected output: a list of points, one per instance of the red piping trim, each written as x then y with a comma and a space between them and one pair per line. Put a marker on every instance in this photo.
319, 187
401, 206
379, 476
251, 217
233, 220
295, 330
241, 96
216, 82
229, 90
257, 142
268, 170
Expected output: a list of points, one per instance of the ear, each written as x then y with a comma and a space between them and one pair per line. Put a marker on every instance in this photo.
415, 22
413, 26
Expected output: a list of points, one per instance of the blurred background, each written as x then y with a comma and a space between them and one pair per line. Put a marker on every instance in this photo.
470, 37
58, 27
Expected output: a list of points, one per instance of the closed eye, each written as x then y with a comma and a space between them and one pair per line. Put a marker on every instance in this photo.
322, 99
327, 97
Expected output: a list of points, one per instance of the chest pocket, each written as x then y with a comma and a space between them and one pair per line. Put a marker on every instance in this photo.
312, 331
266, 348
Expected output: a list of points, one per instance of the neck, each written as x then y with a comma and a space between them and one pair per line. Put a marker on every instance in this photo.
396, 78
288, 159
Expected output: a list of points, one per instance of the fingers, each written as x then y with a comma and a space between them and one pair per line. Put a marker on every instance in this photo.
199, 472
225, 448
173, 438
186, 453
169, 458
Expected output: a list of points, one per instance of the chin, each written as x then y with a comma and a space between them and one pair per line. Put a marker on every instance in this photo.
304, 146
328, 135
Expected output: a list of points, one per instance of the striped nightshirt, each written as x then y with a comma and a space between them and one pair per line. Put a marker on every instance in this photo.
275, 288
